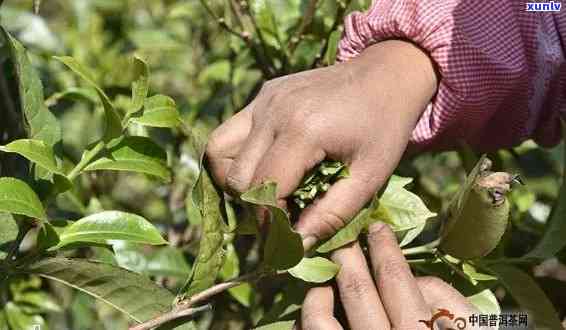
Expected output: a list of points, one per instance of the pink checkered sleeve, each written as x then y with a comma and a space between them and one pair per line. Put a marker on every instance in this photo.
502, 69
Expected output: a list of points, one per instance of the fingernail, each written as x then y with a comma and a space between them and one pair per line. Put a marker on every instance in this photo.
376, 227
309, 241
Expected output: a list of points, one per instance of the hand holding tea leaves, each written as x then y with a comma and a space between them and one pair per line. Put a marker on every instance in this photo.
361, 113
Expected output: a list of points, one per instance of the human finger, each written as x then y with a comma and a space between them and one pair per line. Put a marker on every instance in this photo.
358, 293
317, 312
396, 285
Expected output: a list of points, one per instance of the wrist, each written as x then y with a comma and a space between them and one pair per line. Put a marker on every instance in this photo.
403, 69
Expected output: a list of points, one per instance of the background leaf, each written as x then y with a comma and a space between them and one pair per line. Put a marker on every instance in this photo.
35, 151
486, 302
140, 85
135, 154
133, 294
553, 239
112, 117
528, 295
158, 111
39, 123
8, 233
18, 198
111, 225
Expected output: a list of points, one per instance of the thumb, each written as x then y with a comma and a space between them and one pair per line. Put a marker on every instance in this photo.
341, 202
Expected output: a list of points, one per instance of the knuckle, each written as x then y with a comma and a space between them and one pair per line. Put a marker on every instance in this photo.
356, 286
393, 268
430, 282
235, 181
327, 222
214, 145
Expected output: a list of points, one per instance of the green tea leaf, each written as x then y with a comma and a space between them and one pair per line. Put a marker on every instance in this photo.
315, 270
168, 261
486, 302
8, 233
47, 236
528, 295
39, 299
39, 122
474, 275
73, 93
158, 111
208, 201
553, 238
18, 319
400, 208
112, 117
332, 49
111, 225
140, 86
280, 231
132, 294
135, 154
281, 325
35, 151
18, 198
349, 233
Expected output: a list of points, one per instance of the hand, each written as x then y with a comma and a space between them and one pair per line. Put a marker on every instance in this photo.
396, 300
361, 112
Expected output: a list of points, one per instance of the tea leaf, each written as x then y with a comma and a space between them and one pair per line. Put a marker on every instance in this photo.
281, 325
158, 111
207, 200
19, 319
132, 294
112, 117
18, 198
8, 233
400, 208
486, 302
39, 122
111, 225
280, 231
528, 295
35, 151
553, 239
140, 86
135, 154
315, 270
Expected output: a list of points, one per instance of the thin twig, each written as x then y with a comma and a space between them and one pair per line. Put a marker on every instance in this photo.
184, 307
337, 23
264, 66
305, 23
427, 248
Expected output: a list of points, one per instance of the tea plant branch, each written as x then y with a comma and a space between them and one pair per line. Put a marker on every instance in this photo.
244, 36
342, 5
184, 307
427, 248
305, 23
85, 160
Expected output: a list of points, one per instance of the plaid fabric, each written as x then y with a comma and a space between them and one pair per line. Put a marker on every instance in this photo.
503, 69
